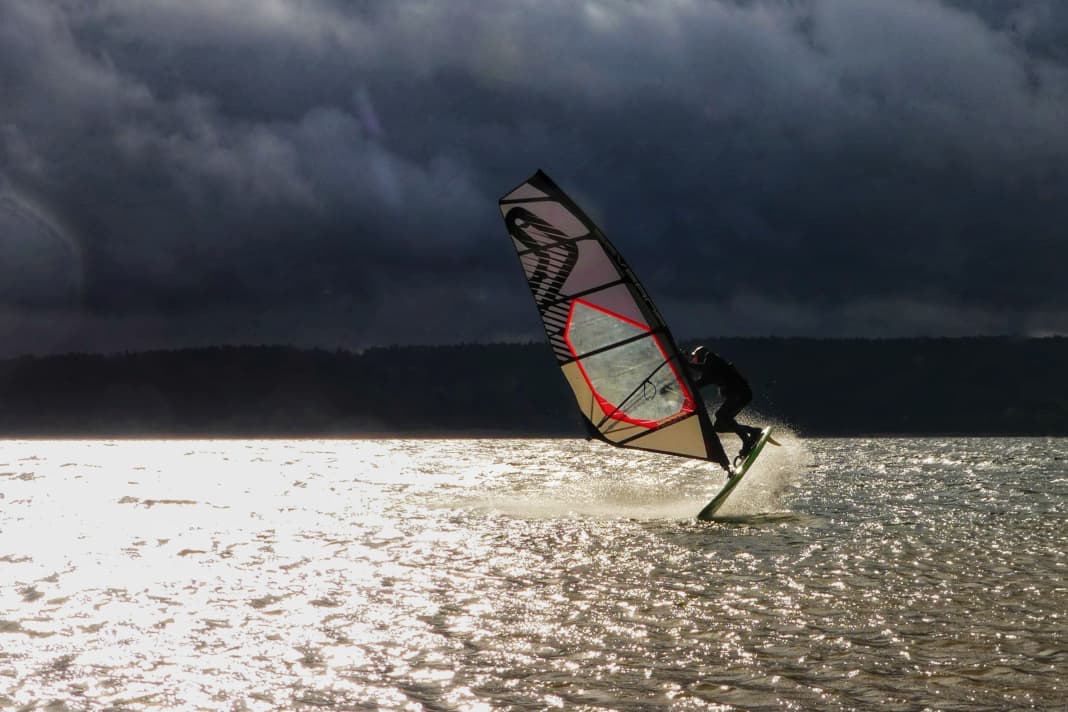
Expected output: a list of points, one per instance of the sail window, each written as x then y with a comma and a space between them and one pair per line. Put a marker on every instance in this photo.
625, 366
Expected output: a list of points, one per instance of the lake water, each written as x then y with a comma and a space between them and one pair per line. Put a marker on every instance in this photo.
898, 574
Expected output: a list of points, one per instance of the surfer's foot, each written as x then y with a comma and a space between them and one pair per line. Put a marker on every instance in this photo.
749, 439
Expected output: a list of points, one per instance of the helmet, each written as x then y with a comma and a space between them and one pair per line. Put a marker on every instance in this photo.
698, 355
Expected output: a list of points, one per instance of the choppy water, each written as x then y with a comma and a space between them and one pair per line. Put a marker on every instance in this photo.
531, 574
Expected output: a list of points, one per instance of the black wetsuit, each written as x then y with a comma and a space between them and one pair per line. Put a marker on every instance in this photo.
734, 389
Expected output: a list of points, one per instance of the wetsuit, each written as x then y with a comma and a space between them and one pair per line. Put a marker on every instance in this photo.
736, 395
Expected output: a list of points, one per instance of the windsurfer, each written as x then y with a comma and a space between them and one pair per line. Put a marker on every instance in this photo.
708, 368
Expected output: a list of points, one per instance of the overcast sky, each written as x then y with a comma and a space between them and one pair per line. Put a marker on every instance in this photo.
324, 172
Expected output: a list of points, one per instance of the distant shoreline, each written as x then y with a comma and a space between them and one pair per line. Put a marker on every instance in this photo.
923, 387
310, 437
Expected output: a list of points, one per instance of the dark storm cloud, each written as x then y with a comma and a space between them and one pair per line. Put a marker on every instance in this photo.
327, 172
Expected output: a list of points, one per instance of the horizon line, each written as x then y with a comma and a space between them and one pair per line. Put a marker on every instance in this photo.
357, 351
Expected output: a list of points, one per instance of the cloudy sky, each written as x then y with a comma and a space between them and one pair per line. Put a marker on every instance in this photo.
325, 172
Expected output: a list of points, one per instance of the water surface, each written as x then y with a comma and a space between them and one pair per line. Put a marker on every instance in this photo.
530, 574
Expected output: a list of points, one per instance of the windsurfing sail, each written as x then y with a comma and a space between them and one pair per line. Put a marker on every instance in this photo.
613, 347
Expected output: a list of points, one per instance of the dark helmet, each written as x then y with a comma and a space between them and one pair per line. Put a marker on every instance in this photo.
698, 355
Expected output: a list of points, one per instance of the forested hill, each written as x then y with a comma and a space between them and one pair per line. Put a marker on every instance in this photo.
981, 386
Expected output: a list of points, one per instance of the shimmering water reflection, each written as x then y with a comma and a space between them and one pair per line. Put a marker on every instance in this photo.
490, 574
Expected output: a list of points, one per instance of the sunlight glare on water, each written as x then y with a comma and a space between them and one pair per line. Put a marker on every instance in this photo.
481, 574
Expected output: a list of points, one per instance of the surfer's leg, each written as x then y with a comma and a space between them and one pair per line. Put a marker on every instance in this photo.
725, 422
735, 397
725, 416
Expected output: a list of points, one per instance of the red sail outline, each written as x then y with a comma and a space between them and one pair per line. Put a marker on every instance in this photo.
610, 409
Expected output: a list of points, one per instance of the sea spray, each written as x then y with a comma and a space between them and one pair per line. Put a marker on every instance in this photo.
769, 480
631, 484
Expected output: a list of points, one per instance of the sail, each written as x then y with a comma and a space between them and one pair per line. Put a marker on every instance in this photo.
610, 342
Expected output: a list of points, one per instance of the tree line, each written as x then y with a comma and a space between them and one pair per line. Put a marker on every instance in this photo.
820, 387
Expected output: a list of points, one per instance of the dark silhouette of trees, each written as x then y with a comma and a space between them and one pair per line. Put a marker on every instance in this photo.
981, 386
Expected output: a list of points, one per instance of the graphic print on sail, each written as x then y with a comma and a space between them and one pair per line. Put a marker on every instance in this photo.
612, 345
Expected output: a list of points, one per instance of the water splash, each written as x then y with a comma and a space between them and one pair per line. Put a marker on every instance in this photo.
602, 482
639, 505
775, 472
